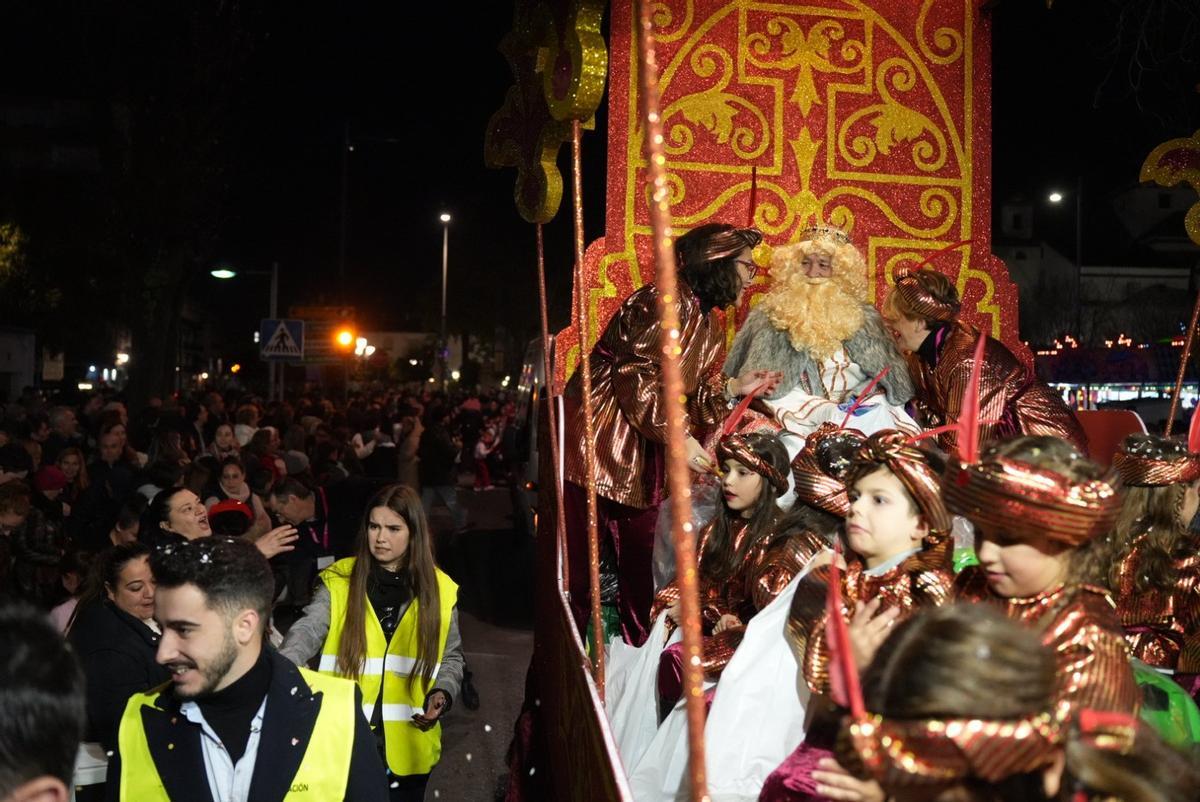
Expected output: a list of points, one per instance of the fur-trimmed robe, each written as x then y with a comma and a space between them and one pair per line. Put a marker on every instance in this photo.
760, 346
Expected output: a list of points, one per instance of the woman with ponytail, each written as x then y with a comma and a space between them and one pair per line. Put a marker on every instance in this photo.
387, 618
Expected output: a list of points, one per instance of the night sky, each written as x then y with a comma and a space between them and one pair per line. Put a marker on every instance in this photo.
417, 92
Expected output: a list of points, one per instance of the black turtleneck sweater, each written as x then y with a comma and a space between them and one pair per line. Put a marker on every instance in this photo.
230, 710
389, 593
929, 347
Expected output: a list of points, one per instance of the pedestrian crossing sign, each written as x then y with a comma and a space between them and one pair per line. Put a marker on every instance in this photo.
281, 340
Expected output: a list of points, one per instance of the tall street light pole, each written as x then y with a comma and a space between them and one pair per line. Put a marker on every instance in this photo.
1057, 197
225, 272
445, 218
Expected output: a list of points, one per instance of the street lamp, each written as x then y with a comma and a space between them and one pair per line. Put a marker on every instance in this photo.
445, 218
1057, 197
226, 272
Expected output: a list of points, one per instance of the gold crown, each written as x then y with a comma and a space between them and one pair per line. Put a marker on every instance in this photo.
825, 232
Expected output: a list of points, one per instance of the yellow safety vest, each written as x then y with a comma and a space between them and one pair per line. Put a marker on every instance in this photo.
322, 774
408, 749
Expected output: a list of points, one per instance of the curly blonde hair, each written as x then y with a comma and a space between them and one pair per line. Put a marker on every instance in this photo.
818, 314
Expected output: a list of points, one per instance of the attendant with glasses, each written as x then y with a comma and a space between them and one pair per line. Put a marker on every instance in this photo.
630, 412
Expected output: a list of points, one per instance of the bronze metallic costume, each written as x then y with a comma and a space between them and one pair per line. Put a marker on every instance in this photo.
1010, 394
924, 579
630, 413
1163, 627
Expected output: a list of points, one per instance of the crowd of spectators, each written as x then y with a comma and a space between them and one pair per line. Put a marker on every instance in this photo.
89, 488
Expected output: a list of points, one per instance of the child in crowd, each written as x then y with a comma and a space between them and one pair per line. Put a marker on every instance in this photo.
1155, 571
1041, 512
898, 559
483, 449
961, 704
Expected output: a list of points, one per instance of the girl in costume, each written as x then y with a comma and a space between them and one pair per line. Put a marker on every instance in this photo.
922, 311
961, 704
1155, 573
387, 617
757, 713
1041, 512
731, 550
898, 559
1155, 576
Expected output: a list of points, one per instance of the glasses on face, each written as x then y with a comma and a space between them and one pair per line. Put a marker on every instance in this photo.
750, 267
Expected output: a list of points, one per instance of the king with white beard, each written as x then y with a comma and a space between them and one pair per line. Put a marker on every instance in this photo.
815, 326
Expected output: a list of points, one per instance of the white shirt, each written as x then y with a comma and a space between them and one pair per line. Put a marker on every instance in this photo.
227, 781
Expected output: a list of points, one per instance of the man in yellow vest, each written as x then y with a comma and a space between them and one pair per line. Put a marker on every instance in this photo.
237, 722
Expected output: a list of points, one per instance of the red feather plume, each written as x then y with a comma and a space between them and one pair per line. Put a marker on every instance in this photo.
753, 194
968, 418
863, 395
843, 676
735, 417
1194, 431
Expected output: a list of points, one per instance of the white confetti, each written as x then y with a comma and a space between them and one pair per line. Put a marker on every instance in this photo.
108, 753
293, 690
468, 757
487, 727
436, 793
537, 702
395, 785
532, 769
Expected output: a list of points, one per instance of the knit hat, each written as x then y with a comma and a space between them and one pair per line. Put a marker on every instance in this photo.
50, 477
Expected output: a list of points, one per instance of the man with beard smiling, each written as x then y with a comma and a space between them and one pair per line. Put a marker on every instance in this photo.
235, 712
815, 326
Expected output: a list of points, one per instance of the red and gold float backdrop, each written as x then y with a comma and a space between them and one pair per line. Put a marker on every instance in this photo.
875, 119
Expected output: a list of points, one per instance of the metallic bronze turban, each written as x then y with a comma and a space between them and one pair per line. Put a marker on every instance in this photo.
820, 466
1150, 461
922, 302
892, 450
737, 447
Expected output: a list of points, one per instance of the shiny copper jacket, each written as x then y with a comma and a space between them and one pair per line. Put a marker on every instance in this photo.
1162, 626
925, 578
629, 412
1009, 392
1079, 623
768, 568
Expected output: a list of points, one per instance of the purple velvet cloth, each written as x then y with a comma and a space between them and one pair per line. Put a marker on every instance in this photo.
792, 780
670, 675
1190, 683
632, 534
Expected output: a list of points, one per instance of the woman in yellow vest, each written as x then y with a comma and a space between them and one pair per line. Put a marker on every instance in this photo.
386, 618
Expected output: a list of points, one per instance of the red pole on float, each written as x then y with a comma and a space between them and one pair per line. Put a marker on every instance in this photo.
560, 532
1183, 360
585, 368
678, 481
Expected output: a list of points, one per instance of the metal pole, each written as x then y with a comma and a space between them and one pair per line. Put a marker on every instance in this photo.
345, 212
673, 403
445, 265
1078, 255
275, 371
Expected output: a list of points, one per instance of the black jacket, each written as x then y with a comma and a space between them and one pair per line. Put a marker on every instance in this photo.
117, 654
287, 727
